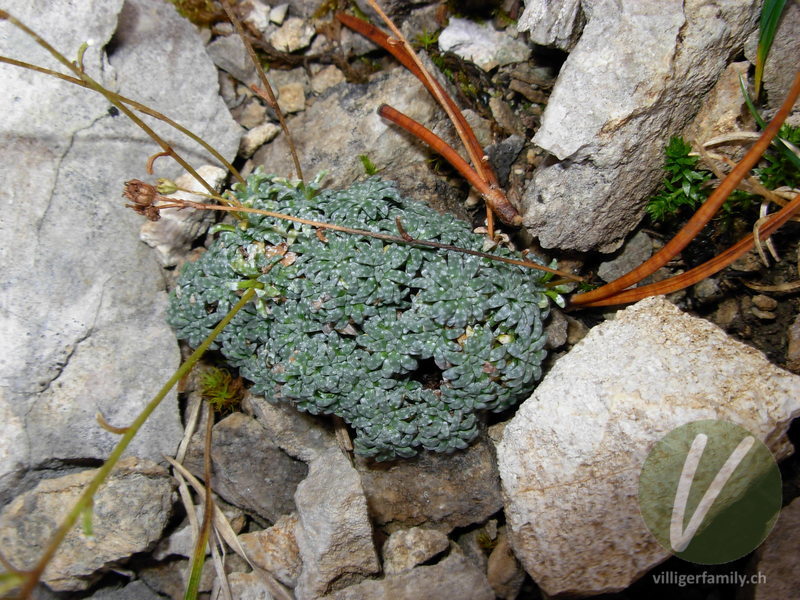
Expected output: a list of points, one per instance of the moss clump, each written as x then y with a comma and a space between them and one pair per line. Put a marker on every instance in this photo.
406, 344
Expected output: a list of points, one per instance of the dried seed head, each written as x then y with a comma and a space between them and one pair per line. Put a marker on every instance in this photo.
143, 195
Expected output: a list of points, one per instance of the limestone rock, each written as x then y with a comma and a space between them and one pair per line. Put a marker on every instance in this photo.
454, 577
83, 301
275, 550
229, 53
334, 533
294, 34
249, 470
570, 458
482, 44
130, 511
557, 24
636, 250
408, 548
443, 491
637, 75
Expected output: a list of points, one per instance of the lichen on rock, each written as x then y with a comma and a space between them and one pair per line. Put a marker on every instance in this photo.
404, 343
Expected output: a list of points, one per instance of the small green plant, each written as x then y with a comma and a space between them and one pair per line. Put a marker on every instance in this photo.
406, 344
369, 167
220, 389
683, 184
426, 40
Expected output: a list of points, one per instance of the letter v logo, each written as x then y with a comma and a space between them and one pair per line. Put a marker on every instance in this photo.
678, 537
710, 491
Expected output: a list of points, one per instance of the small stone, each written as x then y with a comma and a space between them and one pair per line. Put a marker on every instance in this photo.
707, 290
727, 312
482, 127
257, 137
557, 329
294, 34
291, 98
482, 44
326, 78
505, 117
258, 17
552, 24
749, 262
764, 302
278, 13
407, 548
504, 572
636, 250
252, 114
230, 55
275, 550
136, 590
245, 586
576, 330
765, 315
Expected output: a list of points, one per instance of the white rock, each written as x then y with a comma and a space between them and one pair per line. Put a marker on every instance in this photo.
82, 309
278, 13
637, 75
570, 458
294, 34
257, 137
326, 78
482, 44
259, 15
173, 234
334, 533
552, 23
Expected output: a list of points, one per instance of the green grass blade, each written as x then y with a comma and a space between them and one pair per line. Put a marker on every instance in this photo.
771, 12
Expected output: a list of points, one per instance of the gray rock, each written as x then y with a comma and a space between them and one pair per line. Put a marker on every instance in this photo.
334, 533
247, 586
249, 470
229, 54
326, 78
443, 491
275, 550
291, 98
557, 24
636, 250
407, 548
570, 458
638, 75
83, 299
136, 590
300, 435
358, 129
454, 577
482, 44
776, 562
130, 511
257, 137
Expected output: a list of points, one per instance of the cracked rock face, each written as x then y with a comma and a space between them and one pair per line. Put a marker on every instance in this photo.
81, 312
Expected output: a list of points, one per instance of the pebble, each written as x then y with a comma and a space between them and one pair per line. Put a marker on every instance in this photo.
278, 13
257, 137
294, 34
764, 302
291, 98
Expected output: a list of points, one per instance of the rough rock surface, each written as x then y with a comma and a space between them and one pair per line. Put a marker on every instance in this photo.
82, 304
482, 44
570, 459
249, 470
360, 130
637, 75
130, 511
408, 548
334, 533
555, 24
275, 550
777, 557
443, 491
454, 577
